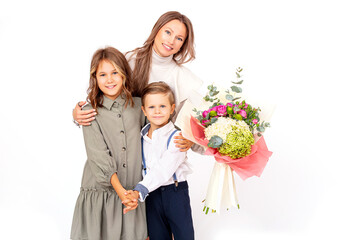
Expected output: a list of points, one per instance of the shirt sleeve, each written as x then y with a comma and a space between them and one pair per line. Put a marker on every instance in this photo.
102, 164
166, 166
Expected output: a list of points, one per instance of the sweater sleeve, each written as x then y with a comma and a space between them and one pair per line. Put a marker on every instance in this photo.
102, 164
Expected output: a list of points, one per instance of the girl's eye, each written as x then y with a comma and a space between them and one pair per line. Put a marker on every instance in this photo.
163, 106
180, 39
115, 73
151, 106
167, 32
102, 75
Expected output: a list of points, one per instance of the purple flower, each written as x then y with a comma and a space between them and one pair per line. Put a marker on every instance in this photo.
255, 121
221, 110
242, 113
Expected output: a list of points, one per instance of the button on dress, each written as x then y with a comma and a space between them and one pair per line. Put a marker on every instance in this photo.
113, 145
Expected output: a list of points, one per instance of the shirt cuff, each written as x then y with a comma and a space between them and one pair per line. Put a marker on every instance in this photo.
143, 191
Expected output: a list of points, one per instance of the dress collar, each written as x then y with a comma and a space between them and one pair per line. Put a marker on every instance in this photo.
108, 103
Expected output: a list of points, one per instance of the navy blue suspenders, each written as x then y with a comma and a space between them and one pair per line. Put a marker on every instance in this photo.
167, 146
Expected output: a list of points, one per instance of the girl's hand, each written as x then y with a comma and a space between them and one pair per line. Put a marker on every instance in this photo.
183, 143
130, 200
83, 117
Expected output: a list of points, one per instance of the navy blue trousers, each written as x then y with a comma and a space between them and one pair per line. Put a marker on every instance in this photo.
168, 212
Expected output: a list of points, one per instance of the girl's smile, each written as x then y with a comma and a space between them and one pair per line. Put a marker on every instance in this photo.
109, 79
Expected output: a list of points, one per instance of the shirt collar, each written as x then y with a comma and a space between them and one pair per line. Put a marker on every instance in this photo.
108, 103
162, 131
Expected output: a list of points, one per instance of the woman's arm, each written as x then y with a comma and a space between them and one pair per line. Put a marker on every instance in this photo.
83, 117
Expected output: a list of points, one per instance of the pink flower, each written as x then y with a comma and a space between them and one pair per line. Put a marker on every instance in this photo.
229, 105
221, 110
255, 121
205, 113
242, 113
246, 105
204, 122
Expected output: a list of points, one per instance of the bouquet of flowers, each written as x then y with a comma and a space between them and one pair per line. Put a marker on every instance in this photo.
231, 130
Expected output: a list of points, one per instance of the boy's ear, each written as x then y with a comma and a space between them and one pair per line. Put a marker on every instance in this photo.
143, 109
172, 108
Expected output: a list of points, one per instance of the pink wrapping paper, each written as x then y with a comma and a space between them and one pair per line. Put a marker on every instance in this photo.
251, 165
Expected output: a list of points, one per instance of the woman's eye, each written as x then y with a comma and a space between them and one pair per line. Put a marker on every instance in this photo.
180, 39
167, 32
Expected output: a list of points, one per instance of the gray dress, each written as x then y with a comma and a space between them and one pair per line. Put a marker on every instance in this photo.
112, 145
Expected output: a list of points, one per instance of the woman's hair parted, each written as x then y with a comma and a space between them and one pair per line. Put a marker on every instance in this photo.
118, 60
155, 88
143, 54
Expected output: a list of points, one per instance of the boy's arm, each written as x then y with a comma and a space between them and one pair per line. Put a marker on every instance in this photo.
162, 171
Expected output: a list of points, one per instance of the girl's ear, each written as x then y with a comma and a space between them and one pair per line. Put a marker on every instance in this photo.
172, 108
143, 109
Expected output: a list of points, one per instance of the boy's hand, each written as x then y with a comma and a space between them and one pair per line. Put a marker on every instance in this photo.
183, 143
131, 200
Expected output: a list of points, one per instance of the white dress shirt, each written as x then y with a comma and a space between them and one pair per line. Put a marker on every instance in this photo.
162, 161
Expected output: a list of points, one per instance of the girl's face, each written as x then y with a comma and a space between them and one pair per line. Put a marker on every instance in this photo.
158, 109
170, 38
109, 80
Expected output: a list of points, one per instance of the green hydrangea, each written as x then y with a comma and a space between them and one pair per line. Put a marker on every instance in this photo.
238, 143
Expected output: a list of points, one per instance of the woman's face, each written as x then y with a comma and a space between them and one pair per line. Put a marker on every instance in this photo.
170, 38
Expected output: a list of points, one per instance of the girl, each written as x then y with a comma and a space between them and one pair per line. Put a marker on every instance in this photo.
112, 146
170, 44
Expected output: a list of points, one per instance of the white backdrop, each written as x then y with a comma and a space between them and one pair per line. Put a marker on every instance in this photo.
301, 55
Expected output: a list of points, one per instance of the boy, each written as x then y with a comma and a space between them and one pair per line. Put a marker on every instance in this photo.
164, 185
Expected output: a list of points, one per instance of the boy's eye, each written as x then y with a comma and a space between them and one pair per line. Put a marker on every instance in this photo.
163, 106
151, 106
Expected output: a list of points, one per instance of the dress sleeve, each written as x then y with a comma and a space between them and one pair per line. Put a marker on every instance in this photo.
166, 166
102, 164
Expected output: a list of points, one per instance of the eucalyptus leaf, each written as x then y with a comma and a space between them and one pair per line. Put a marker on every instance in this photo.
215, 142
229, 97
236, 89
238, 75
213, 120
239, 82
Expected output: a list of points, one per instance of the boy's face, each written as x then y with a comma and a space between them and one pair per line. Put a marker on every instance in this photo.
157, 109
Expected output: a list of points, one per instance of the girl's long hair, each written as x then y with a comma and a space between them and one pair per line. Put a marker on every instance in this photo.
118, 60
186, 53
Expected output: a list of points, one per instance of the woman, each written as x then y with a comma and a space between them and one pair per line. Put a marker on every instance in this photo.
170, 44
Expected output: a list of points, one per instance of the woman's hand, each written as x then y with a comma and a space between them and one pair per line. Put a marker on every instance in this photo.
83, 117
183, 143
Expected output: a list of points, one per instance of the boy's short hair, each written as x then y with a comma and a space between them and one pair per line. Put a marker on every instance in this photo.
155, 88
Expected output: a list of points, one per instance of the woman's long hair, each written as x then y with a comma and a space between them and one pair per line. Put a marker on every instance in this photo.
186, 53
118, 60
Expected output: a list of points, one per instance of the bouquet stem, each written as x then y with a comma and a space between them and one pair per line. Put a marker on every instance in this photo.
221, 191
